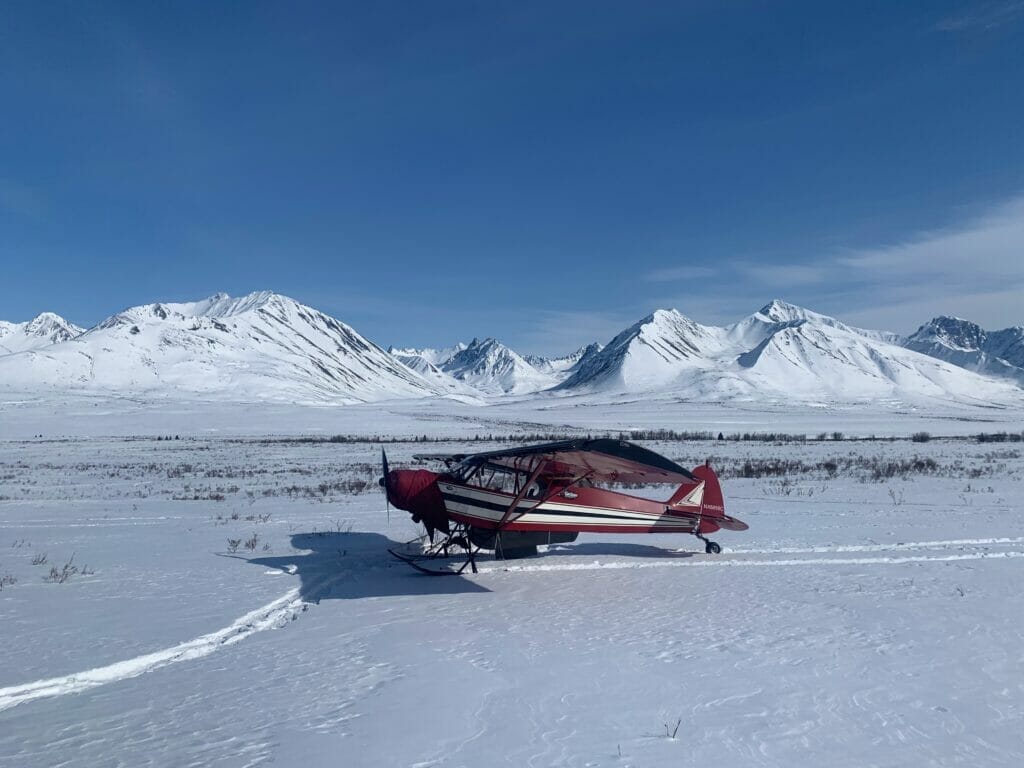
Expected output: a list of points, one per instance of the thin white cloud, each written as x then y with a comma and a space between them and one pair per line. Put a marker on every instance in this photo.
785, 275
983, 17
555, 333
909, 315
987, 250
675, 274
974, 269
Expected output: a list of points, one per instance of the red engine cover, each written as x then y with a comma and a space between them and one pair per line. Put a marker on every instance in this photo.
416, 491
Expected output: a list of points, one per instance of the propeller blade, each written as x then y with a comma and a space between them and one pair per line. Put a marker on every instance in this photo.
385, 482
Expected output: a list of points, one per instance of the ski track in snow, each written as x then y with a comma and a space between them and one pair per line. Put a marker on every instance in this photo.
270, 616
720, 562
111, 523
618, 565
905, 545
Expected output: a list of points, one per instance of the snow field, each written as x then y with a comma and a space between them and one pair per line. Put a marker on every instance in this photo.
859, 621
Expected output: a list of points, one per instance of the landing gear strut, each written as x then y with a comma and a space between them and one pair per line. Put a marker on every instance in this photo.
711, 547
456, 544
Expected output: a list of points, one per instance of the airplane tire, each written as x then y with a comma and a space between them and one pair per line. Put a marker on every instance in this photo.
712, 548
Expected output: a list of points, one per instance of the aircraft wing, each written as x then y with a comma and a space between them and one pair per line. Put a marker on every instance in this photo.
602, 459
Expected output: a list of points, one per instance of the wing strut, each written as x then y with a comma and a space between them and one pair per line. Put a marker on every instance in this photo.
519, 496
511, 514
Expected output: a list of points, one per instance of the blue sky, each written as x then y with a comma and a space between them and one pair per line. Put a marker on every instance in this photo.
546, 173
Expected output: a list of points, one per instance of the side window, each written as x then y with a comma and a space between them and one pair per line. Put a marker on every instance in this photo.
464, 473
495, 479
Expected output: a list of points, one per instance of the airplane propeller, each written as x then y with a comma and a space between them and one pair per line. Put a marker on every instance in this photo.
385, 483
408, 494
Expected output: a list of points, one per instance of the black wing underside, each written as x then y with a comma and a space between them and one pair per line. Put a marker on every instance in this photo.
603, 459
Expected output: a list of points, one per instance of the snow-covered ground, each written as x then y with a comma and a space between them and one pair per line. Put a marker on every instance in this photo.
872, 614
28, 414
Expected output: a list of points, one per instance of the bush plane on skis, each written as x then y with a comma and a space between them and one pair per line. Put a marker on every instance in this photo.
515, 499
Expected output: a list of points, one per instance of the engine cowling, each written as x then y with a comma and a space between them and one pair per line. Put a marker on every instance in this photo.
416, 492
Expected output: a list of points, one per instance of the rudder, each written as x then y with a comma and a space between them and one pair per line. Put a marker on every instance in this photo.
712, 503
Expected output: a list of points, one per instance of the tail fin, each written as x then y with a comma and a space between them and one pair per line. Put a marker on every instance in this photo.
708, 494
705, 491
712, 503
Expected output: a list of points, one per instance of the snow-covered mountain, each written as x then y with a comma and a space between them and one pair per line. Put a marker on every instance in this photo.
649, 354
41, 331
492, 368
258, 347
768, 319
436, 357
426, 369
780, 353
488, 367
968, 345
563, 366
268, 347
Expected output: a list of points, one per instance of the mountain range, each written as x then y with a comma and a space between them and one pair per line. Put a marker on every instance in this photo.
41, 331
963, 343
265, 346
259, 347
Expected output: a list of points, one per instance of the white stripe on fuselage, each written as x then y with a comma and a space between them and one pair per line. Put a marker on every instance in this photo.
496, 497
547, 512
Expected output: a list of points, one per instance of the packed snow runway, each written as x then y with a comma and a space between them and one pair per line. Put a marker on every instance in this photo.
232, 603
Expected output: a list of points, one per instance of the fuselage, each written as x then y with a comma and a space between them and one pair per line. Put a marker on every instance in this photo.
573, 509
439, 499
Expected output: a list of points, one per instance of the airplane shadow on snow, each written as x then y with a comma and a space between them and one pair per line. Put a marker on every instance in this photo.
614, 548
349, 566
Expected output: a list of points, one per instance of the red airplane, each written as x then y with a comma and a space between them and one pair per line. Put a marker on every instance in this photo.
513, 500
